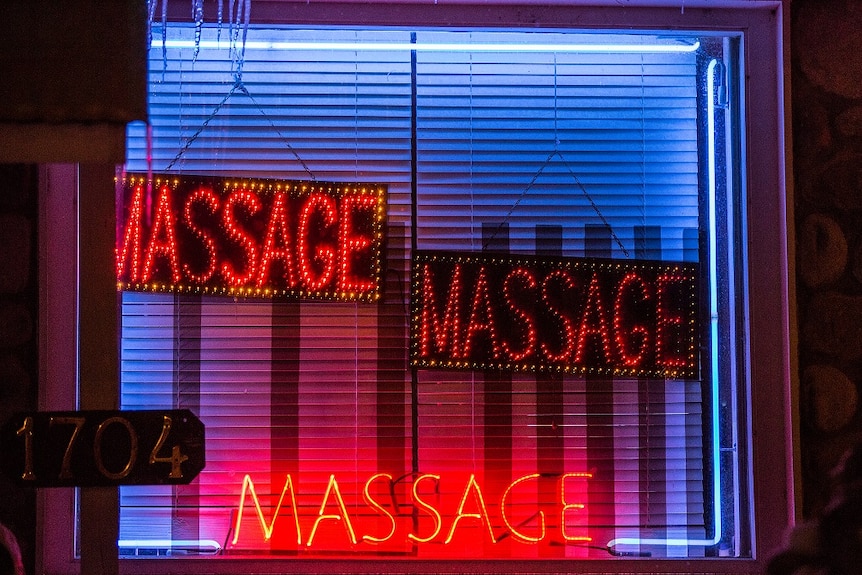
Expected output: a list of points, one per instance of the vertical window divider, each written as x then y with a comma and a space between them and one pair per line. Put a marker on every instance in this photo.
414, 241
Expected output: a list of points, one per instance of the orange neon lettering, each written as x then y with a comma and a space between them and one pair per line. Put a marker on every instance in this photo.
482, 515
431, 511
333, 488
248, 485
374, 504
568, 506
541, 515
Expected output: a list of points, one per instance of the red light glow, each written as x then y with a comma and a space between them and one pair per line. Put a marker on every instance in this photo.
342, 523
259, 238
583, 316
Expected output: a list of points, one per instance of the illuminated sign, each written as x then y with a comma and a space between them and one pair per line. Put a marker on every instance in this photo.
582, 316
99, 448
416, 510
260, 238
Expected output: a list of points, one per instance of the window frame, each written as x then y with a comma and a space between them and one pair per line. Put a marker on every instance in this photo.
768, 400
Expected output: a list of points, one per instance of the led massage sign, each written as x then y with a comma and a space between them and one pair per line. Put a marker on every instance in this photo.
579, 316
257, 238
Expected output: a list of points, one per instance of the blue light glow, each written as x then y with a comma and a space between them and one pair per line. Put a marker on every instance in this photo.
439, 47
713, 312
192, 546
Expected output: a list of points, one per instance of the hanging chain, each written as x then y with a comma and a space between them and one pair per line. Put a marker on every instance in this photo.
571, 171
240, 87
580, 187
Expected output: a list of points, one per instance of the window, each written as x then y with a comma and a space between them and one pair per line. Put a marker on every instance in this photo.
566, 213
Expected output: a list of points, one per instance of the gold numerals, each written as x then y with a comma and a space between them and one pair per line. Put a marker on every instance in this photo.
176, 458
104, 447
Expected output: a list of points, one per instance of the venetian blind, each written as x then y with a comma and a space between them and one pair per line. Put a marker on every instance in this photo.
563, 153
577, 154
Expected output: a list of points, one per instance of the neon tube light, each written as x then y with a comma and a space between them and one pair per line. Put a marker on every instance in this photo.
201, 546
437, 47
471, 507
713, 312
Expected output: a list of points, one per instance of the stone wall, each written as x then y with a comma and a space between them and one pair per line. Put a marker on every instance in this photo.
827, 155
18, 332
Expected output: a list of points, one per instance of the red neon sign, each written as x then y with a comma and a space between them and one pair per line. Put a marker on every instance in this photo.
426, 512
584, 316
264, 238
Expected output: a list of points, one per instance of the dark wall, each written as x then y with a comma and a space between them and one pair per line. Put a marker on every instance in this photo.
827, 155
19, 367
89, 44
74, 75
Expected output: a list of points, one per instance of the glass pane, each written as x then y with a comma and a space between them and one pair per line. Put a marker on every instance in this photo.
587, 178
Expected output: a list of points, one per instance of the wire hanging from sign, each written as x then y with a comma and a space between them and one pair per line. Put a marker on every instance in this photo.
556, 154
238, 86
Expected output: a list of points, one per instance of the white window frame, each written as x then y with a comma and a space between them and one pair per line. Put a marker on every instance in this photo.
771, 371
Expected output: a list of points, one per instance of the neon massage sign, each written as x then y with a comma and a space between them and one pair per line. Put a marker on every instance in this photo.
419, 514
259, 238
